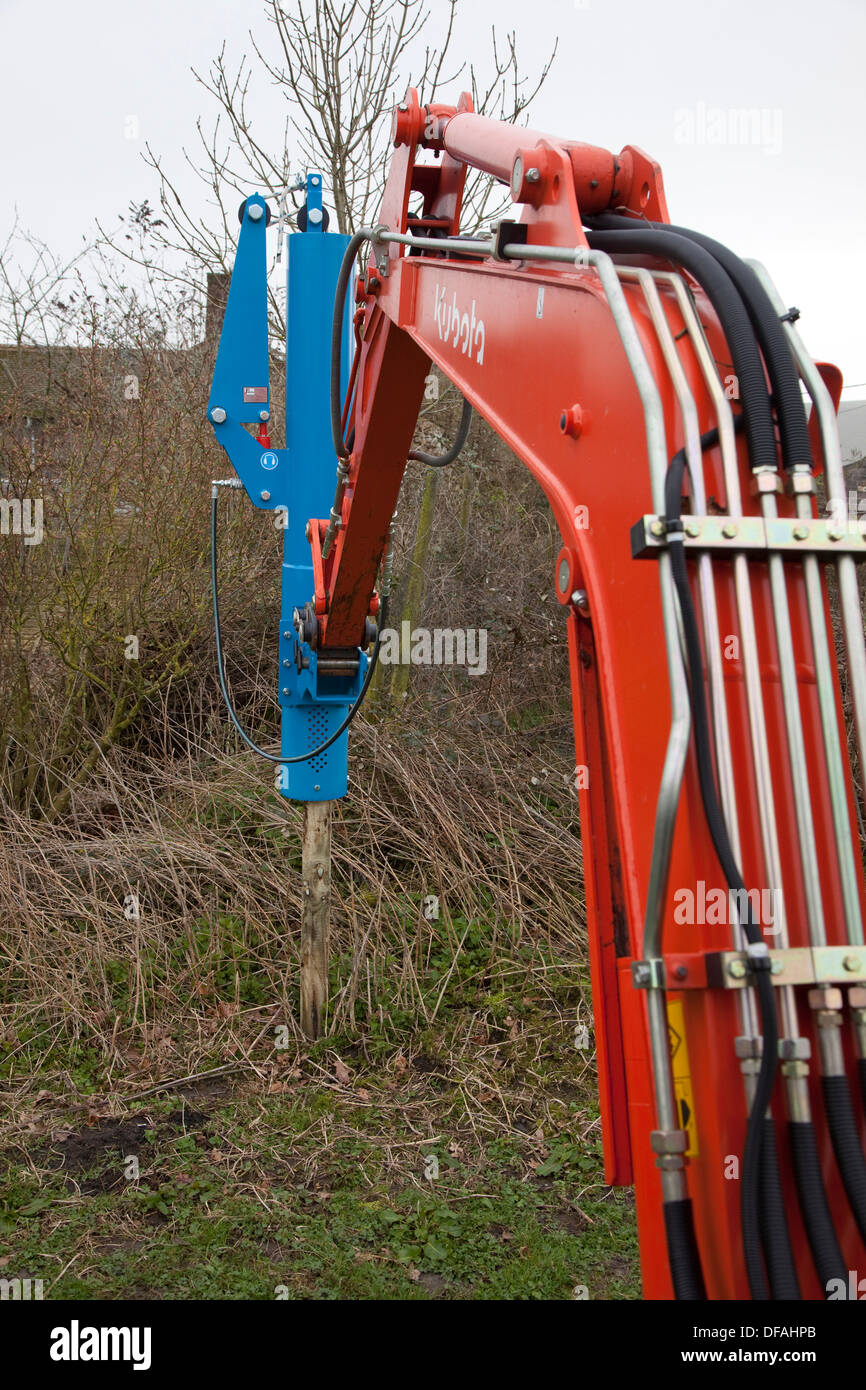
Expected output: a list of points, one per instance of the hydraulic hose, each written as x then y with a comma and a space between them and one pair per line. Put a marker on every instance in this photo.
442, 460
775, 1236
758, 954
813, 1204
779, 1256
846, 1144
684, 1257
340, 409
356, 242
368, 676
781, 367
746, 359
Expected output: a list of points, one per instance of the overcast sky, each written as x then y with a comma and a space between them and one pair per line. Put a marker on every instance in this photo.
668, 75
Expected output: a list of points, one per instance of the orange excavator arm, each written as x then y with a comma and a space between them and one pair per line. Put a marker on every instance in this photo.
651, 382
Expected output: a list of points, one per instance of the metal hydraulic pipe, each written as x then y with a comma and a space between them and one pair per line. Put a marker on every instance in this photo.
748, 638
721, 729
849, 594
672, 1174
469, 246
794, 728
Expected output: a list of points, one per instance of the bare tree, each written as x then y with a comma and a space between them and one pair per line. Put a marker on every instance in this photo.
33, 281
341, 65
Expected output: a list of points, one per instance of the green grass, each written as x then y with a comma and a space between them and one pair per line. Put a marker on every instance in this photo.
455, 1158
225, 1207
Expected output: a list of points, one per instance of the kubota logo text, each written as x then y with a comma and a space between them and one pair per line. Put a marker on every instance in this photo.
461, 329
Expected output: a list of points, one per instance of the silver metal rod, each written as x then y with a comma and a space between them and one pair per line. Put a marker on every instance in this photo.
796, 743
678, 741
748, 638
680, 728
721, 730
842, 827
852, 616
849, 597
483, 246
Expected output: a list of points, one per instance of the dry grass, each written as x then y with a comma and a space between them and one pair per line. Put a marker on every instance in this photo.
211, 857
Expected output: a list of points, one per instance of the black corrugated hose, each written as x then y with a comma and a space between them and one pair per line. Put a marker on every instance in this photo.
846, 1144
773, 342
755, 1172
683, 1254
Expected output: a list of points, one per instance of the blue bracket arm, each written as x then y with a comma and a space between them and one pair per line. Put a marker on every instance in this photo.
240, 390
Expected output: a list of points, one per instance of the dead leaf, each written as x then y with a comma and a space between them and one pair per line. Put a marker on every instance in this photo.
341, 1071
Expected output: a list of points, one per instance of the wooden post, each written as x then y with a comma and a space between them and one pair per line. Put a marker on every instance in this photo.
315, 923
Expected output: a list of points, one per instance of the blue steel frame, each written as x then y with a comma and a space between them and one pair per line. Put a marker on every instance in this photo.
297, 482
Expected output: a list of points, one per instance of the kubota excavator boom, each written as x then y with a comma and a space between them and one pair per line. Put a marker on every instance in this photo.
653, 383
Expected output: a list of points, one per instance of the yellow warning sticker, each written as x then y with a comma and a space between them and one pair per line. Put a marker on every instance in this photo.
682, 1074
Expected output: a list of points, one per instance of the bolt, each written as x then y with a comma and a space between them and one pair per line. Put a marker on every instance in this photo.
320, 871
402, 106
315, 181
801, 533
218, 415
834, 533
315, 215
265, 496
657, 528
641, 973
776, 967
287, 690
729, 531
307, 531
286, 661
264, 415
851, 963
254, 212
532, 176
580, 599
287, 633
564, 576
571, 421
737, 969
681, 972
317, 788
692, 529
